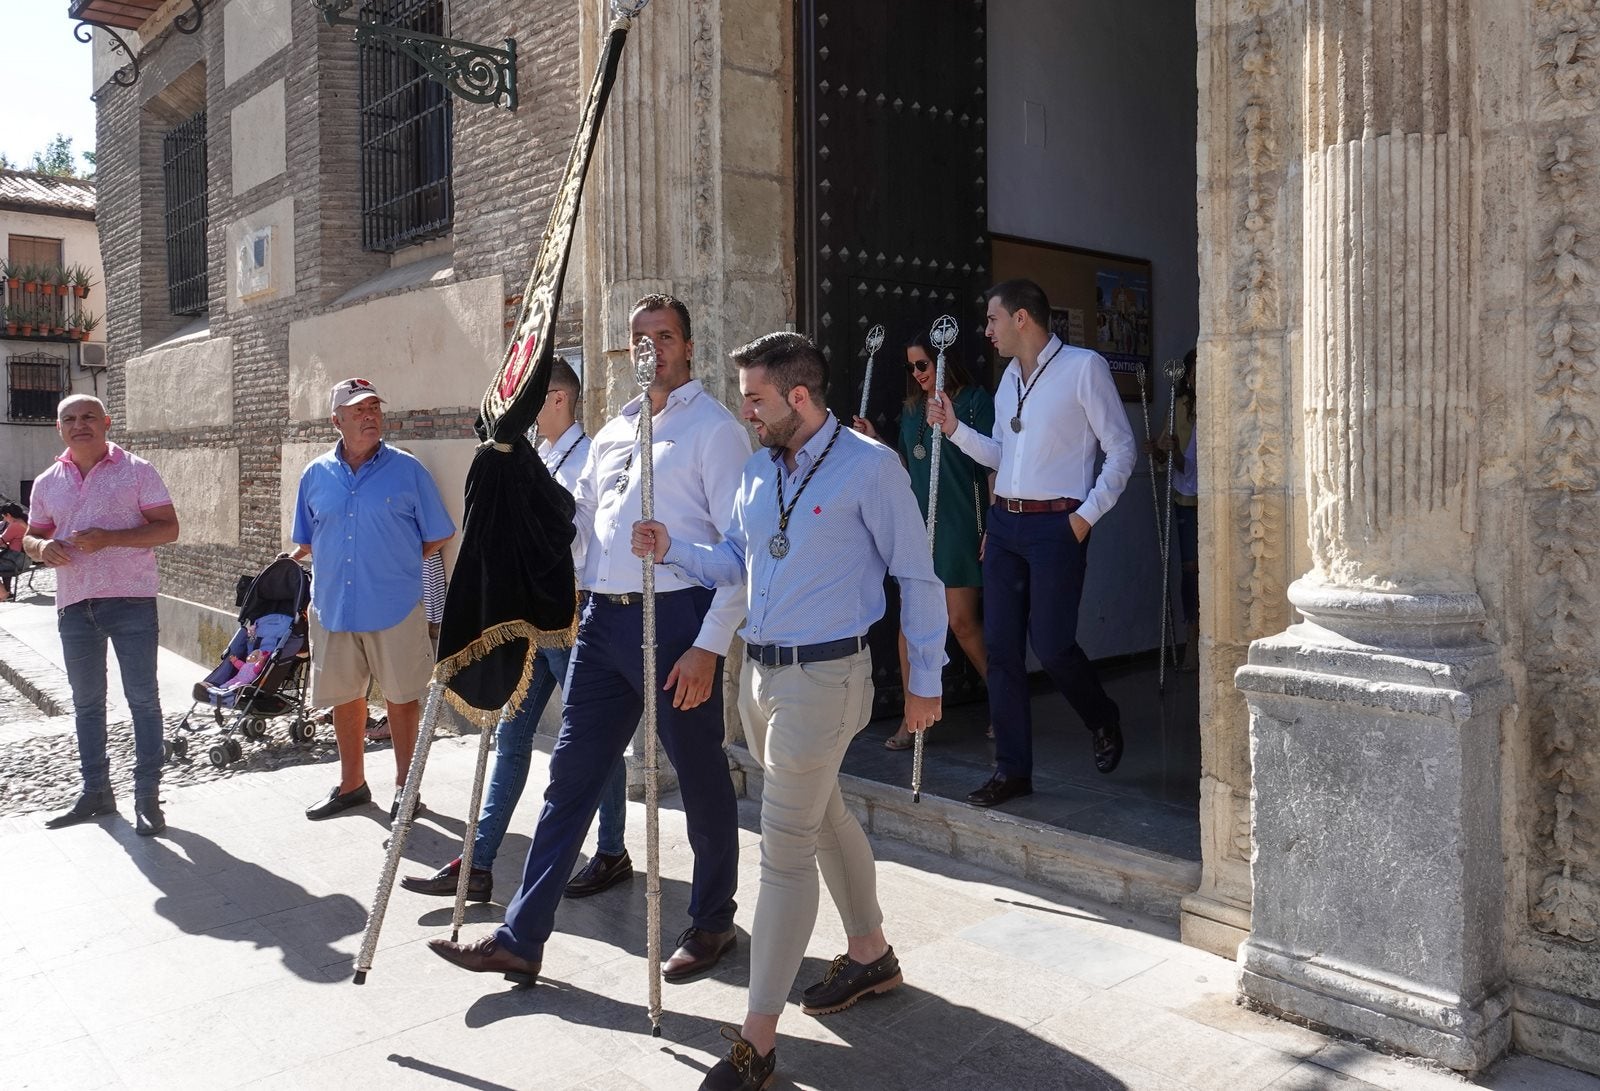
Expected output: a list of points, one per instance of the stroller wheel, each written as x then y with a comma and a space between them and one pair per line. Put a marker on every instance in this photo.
218, 755
166, 749
303, 732
254, 727
235, 751
180, 747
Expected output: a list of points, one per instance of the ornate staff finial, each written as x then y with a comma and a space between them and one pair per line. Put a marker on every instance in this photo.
644, 362
1173, 369
943, 334
874, 340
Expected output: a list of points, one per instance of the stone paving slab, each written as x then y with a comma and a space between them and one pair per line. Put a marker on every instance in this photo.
219, 956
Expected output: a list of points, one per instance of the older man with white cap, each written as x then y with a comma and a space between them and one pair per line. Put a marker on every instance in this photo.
367, 514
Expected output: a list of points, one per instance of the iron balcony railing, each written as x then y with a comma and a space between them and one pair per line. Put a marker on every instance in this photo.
405, 134
183, 163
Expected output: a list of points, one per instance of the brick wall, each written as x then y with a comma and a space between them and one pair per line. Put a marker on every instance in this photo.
506, 169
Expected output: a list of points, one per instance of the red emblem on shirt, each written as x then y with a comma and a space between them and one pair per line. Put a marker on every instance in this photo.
817, 510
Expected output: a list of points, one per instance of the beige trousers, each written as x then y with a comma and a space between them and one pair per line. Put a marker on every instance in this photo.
799, 721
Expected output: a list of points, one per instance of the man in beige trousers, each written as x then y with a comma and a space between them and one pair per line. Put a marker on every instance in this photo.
818, 492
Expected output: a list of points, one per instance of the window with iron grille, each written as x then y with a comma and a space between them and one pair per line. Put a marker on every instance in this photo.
405, 134
183, 163
35, 383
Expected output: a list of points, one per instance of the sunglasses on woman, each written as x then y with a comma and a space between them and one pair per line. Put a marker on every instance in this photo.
919, 366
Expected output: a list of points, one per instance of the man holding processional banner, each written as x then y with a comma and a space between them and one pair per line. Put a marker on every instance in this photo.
697, 450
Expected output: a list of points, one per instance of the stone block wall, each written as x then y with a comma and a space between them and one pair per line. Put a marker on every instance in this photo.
281, 95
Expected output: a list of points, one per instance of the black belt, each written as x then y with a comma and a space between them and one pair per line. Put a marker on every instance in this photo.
774, 655
629, 598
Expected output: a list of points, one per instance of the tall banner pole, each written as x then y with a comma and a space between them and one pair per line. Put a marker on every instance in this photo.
645, 374
401, 830
1174, 373
943, 335
874, 343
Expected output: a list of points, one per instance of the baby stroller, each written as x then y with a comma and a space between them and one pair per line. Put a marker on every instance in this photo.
263, 673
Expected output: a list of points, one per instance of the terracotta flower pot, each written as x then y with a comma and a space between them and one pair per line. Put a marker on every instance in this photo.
13, 283
27, 330
49, 289
11, 329
80, 290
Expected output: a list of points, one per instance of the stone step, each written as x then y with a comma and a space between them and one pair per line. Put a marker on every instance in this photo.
35, 677
1080, 864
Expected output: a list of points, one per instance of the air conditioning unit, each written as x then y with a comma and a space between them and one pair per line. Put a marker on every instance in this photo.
92, 356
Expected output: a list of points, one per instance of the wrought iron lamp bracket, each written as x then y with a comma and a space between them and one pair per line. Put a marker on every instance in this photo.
478, 73
187, 22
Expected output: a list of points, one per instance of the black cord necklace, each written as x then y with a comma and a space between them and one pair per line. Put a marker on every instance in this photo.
778, 544
1022, 395
563, 460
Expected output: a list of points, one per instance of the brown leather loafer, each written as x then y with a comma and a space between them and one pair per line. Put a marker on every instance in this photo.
744, 1070
486, 957
442, 883
600, 873
698, 951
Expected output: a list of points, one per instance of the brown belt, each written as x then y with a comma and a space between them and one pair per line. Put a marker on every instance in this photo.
1035, 507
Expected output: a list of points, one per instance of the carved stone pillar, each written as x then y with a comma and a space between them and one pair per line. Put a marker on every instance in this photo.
691, 188
1375, 722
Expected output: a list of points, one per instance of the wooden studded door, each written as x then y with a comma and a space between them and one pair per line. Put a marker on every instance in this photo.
893, 228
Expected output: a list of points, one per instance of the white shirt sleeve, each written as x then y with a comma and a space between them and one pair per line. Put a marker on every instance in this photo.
1109, 422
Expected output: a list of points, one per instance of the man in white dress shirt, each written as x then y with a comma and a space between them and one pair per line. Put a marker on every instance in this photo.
564, 448
1055, 408
699, 449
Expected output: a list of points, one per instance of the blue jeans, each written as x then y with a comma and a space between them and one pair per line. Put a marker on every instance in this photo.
1033, 567
130, 625
604, 701
513, 753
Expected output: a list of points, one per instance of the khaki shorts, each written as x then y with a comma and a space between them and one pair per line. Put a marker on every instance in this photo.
343, 665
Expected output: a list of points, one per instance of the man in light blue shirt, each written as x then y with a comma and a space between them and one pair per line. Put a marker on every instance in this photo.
367, 514
822, 513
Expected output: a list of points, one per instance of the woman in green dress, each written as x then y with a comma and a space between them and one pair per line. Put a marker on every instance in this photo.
964, 494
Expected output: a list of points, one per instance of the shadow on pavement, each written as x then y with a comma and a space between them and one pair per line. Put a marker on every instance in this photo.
315, 933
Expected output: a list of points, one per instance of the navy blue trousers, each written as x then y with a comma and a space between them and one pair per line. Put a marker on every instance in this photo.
1032, 581
604, 701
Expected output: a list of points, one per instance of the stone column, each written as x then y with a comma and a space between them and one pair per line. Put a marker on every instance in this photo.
1374, 722
690, 193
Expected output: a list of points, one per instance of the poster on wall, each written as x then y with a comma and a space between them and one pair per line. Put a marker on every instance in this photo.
1098, 301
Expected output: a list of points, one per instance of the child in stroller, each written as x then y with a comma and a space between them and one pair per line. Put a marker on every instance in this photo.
256, 641
262, 674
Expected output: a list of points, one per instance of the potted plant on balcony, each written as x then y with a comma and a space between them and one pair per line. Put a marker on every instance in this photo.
81, 281
25, 321
86, 324
11, 321
29, 276
10, 270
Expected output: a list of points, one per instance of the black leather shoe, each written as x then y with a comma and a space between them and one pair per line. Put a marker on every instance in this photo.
442, 883
337, 803
1107, 747
89, 805
394, 808
743, 1070
848, 981
600, 873
486, 957
1000, 788
698, 951
147, 817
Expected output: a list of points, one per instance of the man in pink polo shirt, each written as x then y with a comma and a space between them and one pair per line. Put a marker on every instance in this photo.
96, 516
